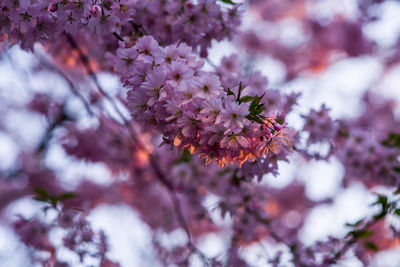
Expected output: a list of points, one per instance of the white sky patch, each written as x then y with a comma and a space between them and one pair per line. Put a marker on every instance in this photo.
71, 171
12, 252
214, 245
322, 179
8, 151
27, 128
390, 87
291, 33
328, 9
285, 177
349, 206
273, 69
340, 87
388, 258
220, 50
385, 30
129, 238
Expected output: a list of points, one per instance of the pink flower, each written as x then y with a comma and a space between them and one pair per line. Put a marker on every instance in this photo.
213, 134
233, 116
95, 11
209, 86
212, 111
153, 87
189, 124
149, 50
178, 72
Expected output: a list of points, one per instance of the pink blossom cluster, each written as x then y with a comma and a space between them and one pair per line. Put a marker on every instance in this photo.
368, 146
197, 23
77, 236
363, 144
192, 109
114, 147
193, 22
319, 126
366, 159
322, 41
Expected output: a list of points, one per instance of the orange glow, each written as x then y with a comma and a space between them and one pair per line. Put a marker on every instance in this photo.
70, 62
94, 65
3, 37
297, 10
177, 141
192, 149
142, 157
271, 207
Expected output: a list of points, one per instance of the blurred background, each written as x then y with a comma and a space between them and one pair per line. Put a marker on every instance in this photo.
331, 51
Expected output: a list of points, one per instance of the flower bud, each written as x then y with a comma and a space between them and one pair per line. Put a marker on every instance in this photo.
53, 7
277, 127
266, 131
95, 11
203, 53
189, 5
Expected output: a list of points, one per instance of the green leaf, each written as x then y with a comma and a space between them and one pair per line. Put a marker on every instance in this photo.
236, 180
53, 201
380, 216
40, 191
371, 246
257, 119
259, 109
40, 198
357, 223
397, 192
279, 120
254, 104
246, 99
397, 212
393, 140
383, 202
256, 101
254, 118
227, 2
361, 233
230, 92
67, 195
184, 158
224, 171
43, 196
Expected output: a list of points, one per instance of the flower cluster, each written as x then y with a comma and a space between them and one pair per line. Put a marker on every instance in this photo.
368, 159
366, 146
77, 236
318, 39
114, 146
193, 22
197, 23
191, 108
319, 126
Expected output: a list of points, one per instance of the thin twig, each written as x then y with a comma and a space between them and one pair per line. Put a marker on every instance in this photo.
45, 62
58, 121
212, 64
352, 241
118, 37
